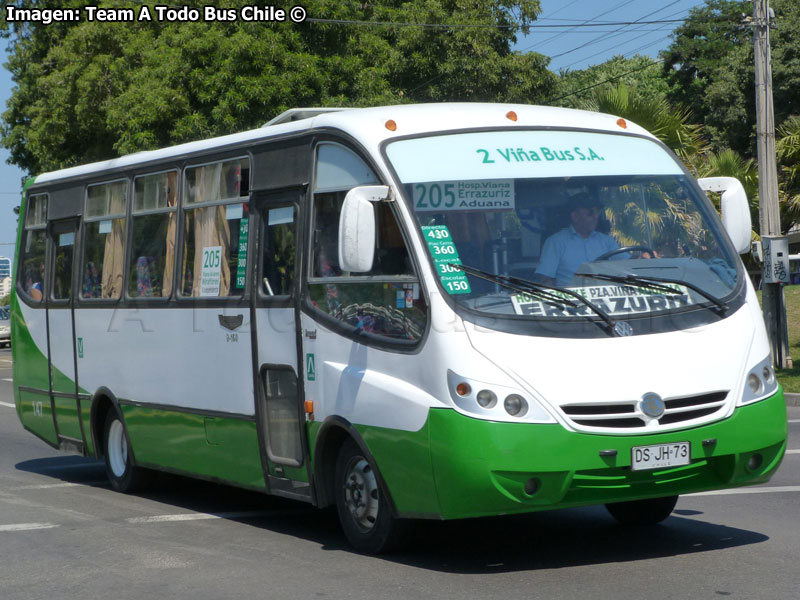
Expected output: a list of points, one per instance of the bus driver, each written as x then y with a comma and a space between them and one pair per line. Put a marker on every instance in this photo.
564, 251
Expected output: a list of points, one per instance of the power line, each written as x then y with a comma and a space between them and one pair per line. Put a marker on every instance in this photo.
628, 41
487, 25
593, 19
592, 41
594, 85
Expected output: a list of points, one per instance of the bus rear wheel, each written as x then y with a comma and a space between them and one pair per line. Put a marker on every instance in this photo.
642, 512
364, 511
122, 474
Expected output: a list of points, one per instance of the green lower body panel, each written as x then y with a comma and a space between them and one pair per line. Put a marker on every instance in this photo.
67, 417
458, 467
218, 448
36, 415
482, 468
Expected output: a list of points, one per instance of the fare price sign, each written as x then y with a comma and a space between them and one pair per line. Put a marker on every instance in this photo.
444, 253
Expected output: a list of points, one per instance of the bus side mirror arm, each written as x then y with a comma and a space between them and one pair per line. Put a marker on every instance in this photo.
357, 227
734, 208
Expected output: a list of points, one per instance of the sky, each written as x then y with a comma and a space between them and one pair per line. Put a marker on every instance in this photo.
574, 33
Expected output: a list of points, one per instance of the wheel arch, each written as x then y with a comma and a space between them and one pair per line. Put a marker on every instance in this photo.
103, 401
332, 435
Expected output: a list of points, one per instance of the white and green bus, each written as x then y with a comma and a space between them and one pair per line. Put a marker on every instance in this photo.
409, 312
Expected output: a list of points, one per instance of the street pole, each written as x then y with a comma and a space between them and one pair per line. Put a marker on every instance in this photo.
772, 297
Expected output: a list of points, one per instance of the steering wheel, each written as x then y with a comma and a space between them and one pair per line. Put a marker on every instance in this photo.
608, 255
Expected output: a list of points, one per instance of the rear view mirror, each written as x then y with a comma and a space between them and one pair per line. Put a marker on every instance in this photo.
357, 227
734, 208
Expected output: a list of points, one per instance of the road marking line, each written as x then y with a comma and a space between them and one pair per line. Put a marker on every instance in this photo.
794, 420
793, 452
7, 404
755, 490
47, 486
207, 516
27, 526
89, 465
8, 379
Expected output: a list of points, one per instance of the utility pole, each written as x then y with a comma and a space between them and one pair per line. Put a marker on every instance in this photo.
775, 246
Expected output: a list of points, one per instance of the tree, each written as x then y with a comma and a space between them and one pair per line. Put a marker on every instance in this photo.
641, 74
671, 125
91, 91
709, 66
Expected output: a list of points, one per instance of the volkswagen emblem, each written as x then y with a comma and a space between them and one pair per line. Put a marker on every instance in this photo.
652, 405
623, 328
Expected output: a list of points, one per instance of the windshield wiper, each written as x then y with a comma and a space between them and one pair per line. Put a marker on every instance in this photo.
655, 283
539, 290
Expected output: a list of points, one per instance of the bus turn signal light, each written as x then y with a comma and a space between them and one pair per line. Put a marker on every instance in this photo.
622, 123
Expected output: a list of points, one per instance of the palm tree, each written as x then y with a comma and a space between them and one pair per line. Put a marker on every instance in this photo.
669, 124
788, 149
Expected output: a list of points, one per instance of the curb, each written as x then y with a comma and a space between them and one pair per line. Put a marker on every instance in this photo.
792, 399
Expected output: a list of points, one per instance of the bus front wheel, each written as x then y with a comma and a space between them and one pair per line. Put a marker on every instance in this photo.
122, 474
642, 512
364, 511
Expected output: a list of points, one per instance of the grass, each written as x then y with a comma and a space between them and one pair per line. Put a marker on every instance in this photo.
790, 378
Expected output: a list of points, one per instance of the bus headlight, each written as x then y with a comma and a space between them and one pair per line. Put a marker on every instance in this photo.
515, 405
760, 382
482, 399
487, 398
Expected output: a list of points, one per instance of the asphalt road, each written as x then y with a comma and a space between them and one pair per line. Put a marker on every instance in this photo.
64, 534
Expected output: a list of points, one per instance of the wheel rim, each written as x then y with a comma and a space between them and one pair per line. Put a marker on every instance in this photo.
361, 493
117, 448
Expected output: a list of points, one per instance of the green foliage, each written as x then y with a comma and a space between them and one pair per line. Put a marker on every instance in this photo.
671, 125
788, 149
640, 74
91, 91
709, 66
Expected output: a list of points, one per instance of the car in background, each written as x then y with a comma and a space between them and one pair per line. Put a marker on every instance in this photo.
5, 327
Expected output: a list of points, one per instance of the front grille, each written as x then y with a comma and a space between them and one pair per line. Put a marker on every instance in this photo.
628, 415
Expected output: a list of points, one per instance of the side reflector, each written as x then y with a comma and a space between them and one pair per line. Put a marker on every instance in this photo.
622, 123
391, 125
309, 406
511, 115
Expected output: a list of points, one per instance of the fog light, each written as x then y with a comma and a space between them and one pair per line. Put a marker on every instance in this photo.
769, 374
515, 405
487, 398
754, 383
532, 486
754, 462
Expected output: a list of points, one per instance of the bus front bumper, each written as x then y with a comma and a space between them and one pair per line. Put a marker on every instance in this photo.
485, 468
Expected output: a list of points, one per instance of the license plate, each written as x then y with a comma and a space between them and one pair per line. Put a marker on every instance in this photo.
660, 455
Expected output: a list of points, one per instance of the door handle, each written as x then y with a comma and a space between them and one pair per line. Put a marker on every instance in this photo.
231, 322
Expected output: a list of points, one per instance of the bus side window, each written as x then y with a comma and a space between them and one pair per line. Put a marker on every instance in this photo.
217, 229
387, 300
278, 257
154, 224
62, 271
104, 240
31, 274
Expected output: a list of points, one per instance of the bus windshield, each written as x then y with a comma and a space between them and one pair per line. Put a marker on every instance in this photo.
519, 222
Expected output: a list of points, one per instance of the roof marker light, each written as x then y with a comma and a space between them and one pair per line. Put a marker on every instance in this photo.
622, 123
391, 125
511, 115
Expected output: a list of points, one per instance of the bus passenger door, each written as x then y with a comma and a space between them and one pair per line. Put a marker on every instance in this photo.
276, 339
61, 334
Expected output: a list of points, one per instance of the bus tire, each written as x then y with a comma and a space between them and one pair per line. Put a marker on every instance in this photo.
642, 512
123, 475
364, 511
